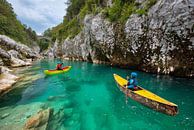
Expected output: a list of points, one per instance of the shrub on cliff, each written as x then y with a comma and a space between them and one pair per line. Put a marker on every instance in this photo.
120, 11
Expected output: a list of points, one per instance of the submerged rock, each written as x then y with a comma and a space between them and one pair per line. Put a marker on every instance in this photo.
68, 112
58, 97
38, 121
5, 115
15, 117
73, 88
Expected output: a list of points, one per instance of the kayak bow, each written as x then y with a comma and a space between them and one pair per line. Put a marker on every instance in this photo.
53, 72
147, 98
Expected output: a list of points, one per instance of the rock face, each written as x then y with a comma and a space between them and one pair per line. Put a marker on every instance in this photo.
38, 121
6, 80
54, 51
15, 118
15, 54
12, 54
160, 42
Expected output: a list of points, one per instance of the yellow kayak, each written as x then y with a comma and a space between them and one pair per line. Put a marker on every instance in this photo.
53, 72
147, 98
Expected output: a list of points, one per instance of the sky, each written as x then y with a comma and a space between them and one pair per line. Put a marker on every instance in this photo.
39, 14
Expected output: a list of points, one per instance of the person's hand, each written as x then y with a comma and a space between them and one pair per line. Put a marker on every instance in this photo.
127, 77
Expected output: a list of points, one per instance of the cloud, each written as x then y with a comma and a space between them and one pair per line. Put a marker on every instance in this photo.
39, 14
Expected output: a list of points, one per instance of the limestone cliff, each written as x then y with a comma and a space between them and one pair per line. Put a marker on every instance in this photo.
160, 42
12, 54
15, 54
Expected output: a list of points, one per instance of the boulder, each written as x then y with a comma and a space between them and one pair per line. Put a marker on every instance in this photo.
14, 118
38, 121
6, 80
5, 57
13, 53
9, 44
19, 63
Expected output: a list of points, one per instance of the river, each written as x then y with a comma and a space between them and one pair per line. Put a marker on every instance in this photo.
89, 99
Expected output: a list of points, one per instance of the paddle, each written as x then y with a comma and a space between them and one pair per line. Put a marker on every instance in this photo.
126, 98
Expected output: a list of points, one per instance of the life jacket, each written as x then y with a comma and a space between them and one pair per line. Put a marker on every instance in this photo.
59, 66
133, 81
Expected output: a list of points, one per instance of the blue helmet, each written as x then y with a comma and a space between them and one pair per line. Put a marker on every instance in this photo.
133, 75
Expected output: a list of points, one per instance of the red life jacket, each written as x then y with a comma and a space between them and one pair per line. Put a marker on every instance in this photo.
59, 66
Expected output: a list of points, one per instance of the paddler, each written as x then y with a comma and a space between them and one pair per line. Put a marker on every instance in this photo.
132, 82
59, 66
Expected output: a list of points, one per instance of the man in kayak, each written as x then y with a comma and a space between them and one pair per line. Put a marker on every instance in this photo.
132, 82
59, 66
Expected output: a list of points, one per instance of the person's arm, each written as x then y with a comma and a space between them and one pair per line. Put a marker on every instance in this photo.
131, 81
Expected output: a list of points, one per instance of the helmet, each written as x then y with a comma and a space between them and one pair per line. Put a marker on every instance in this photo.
133, 75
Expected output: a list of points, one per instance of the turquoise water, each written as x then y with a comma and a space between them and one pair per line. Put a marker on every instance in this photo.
87, 98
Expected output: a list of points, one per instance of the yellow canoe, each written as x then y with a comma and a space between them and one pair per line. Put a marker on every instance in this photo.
53, 72
147, 98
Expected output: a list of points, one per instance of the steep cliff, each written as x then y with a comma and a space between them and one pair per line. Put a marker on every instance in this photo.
158, 39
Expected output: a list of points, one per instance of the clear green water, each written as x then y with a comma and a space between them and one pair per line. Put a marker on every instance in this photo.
91, 100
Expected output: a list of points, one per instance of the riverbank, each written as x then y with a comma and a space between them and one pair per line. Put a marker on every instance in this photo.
7, 79
12, 55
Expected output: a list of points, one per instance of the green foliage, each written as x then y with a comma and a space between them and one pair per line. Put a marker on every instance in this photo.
44, 44
141, 11
120, 11
73, 27
73, 21
48, 33
115, 11
150, 3
74, 8
13, 28
83, 12
127, 10
70, 29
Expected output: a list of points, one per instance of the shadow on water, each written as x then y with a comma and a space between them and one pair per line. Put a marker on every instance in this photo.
32, 92
21, 94
88, 82
104, 119
12, 97
63, 77
74, 87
